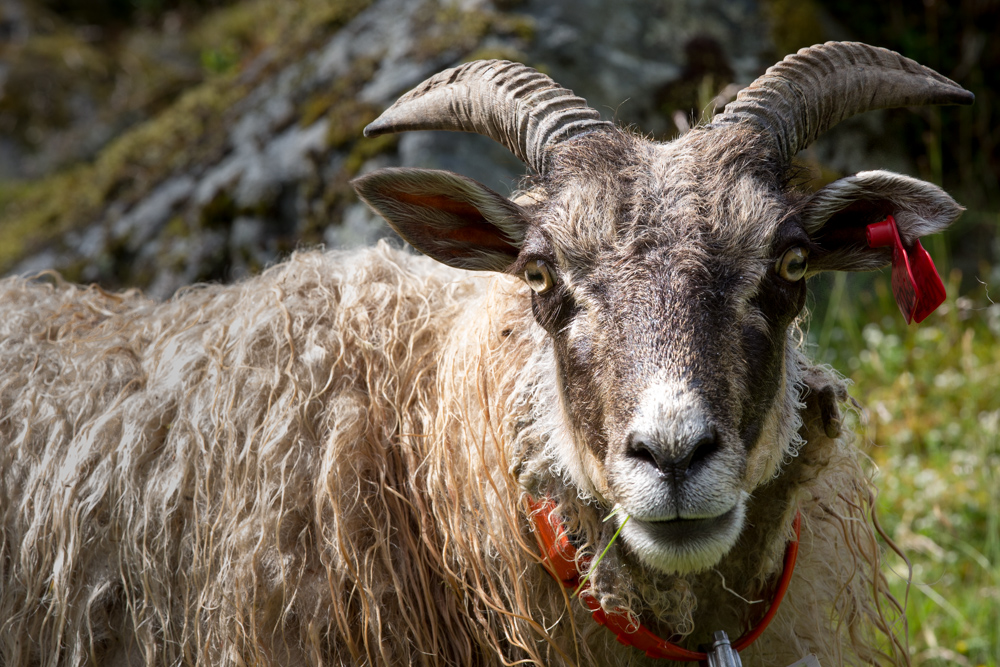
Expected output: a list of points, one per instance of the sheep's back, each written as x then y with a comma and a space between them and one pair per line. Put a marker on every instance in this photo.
178, 477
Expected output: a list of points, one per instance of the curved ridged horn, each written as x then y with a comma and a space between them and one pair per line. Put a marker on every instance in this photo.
809, 92
511, 103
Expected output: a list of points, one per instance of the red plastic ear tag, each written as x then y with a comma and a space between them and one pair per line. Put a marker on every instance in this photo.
915, 282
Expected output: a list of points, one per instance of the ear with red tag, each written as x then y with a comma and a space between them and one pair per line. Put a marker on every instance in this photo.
875, 217
837, 218
453, 219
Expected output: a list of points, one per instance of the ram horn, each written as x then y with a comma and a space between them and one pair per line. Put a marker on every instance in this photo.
809, 92
511, 103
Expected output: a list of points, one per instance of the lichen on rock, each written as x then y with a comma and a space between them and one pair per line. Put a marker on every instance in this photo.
255, 158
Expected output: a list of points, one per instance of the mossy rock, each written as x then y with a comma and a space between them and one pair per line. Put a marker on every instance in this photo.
189, 132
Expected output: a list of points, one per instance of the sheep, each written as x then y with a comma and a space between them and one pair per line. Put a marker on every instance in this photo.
344, 459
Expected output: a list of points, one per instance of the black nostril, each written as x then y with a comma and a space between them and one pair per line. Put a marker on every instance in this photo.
679, 459
641, 450
704, 447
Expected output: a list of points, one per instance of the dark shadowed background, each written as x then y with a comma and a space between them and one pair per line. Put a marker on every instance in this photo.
157, 143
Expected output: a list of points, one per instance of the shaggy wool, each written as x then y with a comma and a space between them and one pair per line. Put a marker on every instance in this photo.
329, 464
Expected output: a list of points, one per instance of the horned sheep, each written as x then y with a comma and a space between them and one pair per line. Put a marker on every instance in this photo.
337, 462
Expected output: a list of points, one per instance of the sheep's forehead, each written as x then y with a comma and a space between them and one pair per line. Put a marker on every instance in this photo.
663, 205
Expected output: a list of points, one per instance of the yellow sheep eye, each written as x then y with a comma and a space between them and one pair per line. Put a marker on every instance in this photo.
792, 265
538, 276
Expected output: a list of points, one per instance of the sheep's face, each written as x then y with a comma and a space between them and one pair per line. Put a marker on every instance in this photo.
670, 295
667, 277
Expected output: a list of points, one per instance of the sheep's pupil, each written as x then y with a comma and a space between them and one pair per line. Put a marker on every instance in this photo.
537, 277
793, 264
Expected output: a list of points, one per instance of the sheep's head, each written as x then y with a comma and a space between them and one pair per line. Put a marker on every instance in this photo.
667, 275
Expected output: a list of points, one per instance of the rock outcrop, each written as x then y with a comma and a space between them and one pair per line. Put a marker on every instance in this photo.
247, 165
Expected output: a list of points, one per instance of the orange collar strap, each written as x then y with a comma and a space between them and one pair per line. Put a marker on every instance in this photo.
559, 556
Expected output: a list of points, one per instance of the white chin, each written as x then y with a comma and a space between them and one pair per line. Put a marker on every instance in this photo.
684, 546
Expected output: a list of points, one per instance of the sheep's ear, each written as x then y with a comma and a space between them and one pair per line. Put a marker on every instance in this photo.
451, 218
836, 217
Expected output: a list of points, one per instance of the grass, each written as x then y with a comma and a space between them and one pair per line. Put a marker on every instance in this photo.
931, 394
604, 553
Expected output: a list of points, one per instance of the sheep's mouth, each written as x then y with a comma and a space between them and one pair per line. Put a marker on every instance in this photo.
682, 531
684, 545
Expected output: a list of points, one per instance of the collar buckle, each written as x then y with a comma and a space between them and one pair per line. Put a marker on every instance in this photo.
721, 653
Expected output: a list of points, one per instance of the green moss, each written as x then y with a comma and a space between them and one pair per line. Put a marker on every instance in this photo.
795, 24
515, 25
254, 25
220, 60
37, 211
339, 103
191, 130
42, 76
64, 46
73, 272
176, 228
238, 26
450, 28
316, 107
347, 124
365, 149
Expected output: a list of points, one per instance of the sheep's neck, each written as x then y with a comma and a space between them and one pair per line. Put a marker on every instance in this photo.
560, 560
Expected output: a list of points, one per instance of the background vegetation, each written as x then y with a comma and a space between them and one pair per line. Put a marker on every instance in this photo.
932, 421
931, 392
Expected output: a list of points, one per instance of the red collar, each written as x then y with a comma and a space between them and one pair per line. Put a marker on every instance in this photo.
559, 554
